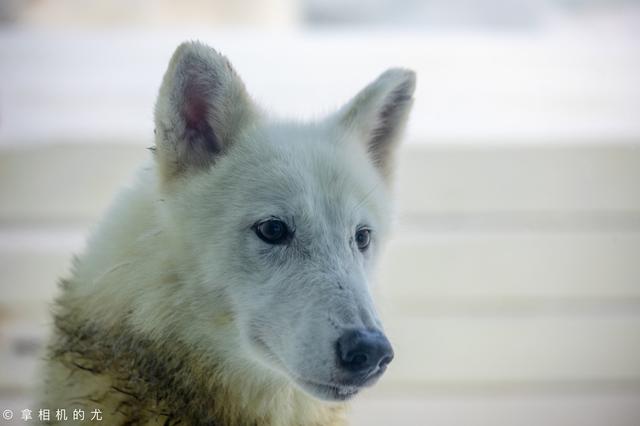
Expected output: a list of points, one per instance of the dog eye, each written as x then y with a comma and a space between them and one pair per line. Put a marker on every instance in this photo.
363, 238
272, 231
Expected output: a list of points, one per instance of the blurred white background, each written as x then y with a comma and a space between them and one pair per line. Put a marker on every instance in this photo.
511, 289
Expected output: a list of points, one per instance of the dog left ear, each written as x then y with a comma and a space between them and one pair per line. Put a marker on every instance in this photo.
201, 108
378, 114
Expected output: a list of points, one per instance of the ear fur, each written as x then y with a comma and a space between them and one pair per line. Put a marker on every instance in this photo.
378, 114
202, 106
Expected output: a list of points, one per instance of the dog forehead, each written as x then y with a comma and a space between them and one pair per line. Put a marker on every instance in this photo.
304, 168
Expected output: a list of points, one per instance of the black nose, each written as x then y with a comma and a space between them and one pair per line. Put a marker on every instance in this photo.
362, 351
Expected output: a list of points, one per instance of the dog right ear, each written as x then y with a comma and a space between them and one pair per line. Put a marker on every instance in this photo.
201, 108
378, 113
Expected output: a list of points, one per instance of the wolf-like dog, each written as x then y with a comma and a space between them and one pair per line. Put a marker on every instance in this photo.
230, 285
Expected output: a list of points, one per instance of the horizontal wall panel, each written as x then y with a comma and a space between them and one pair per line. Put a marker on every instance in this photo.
526, 179
553, 409
420, 272
31, 277
64, 183
506, 350
22, 346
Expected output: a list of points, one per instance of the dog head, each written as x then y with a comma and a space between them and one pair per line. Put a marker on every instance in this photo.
282, 220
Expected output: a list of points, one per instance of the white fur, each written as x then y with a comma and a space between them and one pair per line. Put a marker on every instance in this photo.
177, 251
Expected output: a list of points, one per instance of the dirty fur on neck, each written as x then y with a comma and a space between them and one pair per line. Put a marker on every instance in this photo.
135, 380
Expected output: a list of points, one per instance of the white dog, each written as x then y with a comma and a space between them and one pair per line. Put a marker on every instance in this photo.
230, 285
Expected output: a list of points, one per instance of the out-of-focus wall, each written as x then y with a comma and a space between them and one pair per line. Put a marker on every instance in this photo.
511, 287
92, 14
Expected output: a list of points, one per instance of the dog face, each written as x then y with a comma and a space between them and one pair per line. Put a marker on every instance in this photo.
282, 220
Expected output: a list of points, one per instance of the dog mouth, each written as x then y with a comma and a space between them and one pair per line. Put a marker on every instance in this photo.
340, 392
332, 392
322, 390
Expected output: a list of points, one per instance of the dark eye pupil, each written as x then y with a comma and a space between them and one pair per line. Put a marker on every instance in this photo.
272, 231
363, 238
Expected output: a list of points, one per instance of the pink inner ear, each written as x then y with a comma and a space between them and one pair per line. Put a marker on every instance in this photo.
199, 137
195, 106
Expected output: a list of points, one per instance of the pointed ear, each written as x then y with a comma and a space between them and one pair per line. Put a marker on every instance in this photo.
201, 108
378, 114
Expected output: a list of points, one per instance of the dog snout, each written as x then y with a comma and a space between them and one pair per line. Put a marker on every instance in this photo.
364, 351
